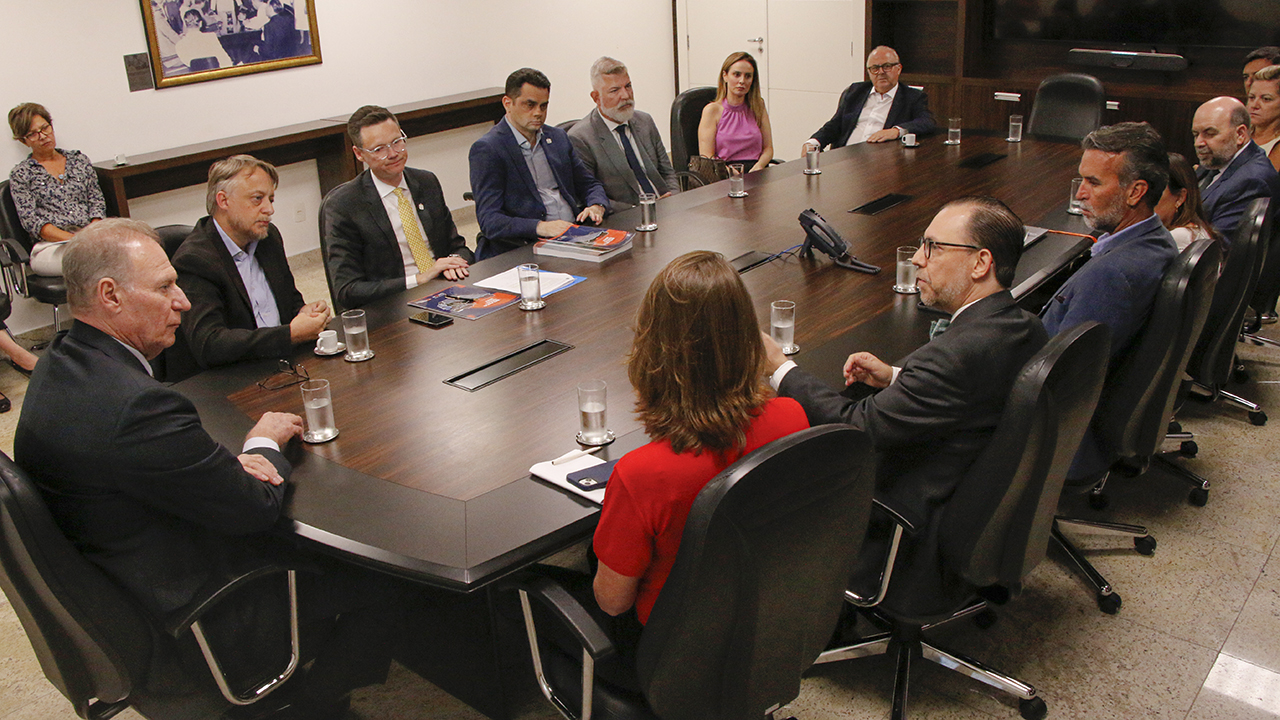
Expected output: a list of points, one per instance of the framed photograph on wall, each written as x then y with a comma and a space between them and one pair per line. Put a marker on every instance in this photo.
198, 40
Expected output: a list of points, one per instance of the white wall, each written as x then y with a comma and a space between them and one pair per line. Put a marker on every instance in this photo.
67, 55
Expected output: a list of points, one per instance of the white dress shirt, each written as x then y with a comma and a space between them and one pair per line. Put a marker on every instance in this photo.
874, 114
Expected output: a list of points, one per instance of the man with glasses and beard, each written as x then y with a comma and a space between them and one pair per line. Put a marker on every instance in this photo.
389, 229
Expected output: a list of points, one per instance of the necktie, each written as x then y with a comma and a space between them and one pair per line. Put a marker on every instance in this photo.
937, 327
1208, 179
633, 161
417, 246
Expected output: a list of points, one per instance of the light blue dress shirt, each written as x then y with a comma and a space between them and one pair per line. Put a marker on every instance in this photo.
534, 157
265, 311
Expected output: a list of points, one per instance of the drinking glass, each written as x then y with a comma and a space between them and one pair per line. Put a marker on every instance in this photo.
318, 406
811, 161
1015, 128
356, 332
737, 183
782, 325
530, 288
648, 212
906, 277
953, 131
593, 423
1073, 205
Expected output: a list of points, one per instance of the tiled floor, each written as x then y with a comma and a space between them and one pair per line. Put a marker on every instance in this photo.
1198, 636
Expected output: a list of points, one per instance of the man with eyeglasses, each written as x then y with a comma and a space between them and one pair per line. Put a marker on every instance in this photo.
1124, 169
879, 110
930, 418
244, 303
528, 181
389, 229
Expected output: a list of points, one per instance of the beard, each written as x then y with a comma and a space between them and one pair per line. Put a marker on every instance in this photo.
622, 113
1105, 219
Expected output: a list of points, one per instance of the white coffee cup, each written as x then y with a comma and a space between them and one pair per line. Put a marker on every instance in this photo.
909, 139
328, 342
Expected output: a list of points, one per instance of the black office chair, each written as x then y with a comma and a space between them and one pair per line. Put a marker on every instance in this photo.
171, 237
686, 113
1214, 360
567, 125
995, 528
751, 601
1067, 106
324, 251
1266, 294
1138, 400
15, 260
93, 642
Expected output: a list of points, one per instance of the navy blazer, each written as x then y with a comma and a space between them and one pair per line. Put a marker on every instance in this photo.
1116, 288
131, 476
220, 327
362, 256
909, 111
508, 205
1249, 176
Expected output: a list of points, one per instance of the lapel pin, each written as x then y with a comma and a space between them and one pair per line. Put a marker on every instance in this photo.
548, 141
420, 206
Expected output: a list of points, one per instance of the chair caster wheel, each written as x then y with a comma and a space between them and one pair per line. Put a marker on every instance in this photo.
1145, 545
1198, 497
1189, 449
1175, 426
1257, 417
1239, 376
1109, 604
1099, 501
985, 619
1033, 709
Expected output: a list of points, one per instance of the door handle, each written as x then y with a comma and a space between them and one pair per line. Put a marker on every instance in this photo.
756, 40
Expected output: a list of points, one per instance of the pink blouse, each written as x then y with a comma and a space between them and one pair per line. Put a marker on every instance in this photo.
738, 137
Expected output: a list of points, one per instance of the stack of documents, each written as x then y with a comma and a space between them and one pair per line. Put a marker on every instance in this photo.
585, 243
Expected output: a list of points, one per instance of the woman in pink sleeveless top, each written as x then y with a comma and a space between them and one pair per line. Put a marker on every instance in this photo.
735, 128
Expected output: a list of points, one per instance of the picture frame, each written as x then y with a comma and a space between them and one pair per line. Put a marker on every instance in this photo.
198, 40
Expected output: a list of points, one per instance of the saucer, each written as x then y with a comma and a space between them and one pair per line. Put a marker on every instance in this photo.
608, 438
912, 145
336, 351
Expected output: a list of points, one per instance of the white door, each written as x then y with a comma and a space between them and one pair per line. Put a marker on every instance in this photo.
809, 51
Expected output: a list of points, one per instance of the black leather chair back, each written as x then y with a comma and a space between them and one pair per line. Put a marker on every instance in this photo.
1067, 106
1267, 292
171, 237
91, 640
995, 529
758, 583
324, 251
10, 226
1212, 360
567, 125
686, 113
1139, 396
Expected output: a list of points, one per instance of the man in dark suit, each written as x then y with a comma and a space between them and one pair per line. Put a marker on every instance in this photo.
389, 229
233, 269
528, 181
619, 144
140, 488
1233, 170
931, 418
1255, 61
879, 110
1125, 170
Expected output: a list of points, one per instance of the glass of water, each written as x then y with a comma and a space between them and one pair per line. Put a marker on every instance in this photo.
737, 183
593, 422
905, 282
811, 161
356, 332
1015, 128
530, 288
648, 212
318, 405
953, 131
782, 325
1073, 205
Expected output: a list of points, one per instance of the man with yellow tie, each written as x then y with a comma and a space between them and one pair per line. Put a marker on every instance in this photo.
388, 229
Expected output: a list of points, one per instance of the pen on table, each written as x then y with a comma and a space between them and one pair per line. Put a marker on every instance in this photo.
573, 455
1073, 234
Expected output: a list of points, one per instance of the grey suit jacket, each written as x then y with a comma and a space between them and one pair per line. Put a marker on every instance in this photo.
598, 147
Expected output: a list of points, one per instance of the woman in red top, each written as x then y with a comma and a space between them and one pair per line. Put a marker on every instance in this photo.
697, 366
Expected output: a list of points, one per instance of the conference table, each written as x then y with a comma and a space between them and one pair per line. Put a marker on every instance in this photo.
431, 482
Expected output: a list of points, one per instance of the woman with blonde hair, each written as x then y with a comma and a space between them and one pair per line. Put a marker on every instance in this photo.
1264, 111
735, 128
697, 365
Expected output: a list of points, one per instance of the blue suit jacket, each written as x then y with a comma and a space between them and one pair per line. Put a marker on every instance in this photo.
909, 111
1116, 288
508, 206
1249, 176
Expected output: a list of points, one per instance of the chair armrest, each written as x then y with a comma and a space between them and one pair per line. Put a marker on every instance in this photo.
216, 589
570, 613
14, 251
901, 524
899, 515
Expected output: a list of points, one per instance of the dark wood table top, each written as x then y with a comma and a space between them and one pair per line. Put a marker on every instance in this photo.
432, 481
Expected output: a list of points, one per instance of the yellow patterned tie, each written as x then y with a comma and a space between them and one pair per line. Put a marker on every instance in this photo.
417, 246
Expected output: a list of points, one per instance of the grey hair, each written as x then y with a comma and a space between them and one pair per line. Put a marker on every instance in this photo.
1142, 148
605, 66
224, 172
101, 250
